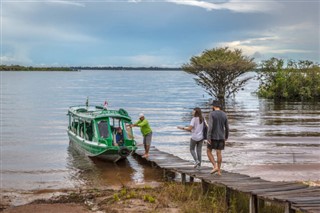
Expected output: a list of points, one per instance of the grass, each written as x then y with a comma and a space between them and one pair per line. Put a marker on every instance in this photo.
188, 198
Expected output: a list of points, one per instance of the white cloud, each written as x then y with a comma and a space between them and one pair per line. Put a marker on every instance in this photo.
263, 46
73, 3
19, 55
241, 6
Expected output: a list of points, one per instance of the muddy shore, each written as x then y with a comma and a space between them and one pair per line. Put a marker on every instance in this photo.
104, 199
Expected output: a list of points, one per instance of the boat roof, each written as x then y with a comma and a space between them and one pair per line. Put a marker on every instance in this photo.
97, 112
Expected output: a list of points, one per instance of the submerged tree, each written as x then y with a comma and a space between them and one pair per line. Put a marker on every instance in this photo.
220, 71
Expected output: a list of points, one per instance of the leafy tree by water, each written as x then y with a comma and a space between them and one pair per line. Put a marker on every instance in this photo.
291, 81
220, 71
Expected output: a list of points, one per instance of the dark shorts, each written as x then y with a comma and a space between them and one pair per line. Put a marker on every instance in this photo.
216, 144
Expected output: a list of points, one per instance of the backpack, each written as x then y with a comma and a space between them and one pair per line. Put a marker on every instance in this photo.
205, 129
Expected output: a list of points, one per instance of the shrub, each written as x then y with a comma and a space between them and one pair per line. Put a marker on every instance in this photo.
297, 81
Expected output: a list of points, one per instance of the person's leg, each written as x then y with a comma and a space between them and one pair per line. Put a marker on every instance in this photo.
211, 158
219, 160
199, 151
145, 146
219, 149
192, 147
148, 144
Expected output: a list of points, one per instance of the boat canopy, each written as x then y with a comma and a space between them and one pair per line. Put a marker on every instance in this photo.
96, 112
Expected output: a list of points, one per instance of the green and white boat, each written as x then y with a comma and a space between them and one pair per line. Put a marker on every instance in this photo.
94, 129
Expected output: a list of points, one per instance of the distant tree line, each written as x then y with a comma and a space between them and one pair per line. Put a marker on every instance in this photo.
31, 68
125, 68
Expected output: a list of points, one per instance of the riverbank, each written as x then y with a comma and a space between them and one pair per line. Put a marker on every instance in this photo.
161, 197
165, 197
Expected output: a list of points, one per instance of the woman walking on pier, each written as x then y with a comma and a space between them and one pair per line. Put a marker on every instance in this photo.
196, 129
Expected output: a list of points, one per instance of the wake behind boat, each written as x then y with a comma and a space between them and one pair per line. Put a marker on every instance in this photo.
100, 132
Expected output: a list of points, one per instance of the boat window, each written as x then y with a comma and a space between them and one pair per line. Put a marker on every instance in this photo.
103, 129
81, 128
115, 125
89, 131
128, 131
74, 125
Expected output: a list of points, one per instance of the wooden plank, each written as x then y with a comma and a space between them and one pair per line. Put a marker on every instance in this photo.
292, 196
306, 200
275, 189
298, 191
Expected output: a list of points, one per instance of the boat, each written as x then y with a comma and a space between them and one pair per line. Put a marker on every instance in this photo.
96, 131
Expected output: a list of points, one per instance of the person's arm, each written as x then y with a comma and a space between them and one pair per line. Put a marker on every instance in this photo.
135, 124
226, 129
142, 123
187, 128
210, 123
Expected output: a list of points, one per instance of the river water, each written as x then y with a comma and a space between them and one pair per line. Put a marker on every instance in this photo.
273, 141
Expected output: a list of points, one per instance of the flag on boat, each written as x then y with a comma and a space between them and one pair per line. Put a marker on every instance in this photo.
105, 105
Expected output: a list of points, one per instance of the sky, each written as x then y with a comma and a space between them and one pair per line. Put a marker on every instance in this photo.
163, 33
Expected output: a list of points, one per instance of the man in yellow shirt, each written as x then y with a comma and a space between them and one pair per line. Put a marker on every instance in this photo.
146, 132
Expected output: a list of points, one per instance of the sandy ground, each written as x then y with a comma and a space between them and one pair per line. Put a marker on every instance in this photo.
76, 201
48, 208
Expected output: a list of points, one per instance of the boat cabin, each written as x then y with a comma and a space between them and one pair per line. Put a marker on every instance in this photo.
95, 124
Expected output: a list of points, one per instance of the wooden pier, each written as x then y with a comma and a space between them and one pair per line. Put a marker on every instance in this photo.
295, 196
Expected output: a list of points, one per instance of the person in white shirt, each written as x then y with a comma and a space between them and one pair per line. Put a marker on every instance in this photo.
196, 129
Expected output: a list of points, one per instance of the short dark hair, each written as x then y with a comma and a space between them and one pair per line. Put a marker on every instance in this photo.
216, 103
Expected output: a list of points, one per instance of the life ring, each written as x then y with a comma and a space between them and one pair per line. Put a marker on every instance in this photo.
124, 151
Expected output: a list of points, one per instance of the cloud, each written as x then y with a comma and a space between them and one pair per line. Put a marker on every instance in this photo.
19, 55
73, 3
241, 6
263, 46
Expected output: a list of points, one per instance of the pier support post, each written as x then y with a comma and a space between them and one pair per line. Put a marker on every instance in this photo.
288, 208
253, 205
165, 174
204, 187
153, 165
228, 197
183, 178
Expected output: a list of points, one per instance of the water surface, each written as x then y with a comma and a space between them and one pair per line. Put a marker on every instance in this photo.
35, 152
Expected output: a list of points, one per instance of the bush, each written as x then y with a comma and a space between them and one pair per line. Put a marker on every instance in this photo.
297, 81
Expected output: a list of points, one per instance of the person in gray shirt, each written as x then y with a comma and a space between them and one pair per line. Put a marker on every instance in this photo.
218, 132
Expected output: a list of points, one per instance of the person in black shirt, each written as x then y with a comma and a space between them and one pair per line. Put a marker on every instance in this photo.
218, 133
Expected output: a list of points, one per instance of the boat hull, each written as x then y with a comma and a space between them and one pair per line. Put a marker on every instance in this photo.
99, 150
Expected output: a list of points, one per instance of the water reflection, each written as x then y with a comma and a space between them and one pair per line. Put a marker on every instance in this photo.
95, 172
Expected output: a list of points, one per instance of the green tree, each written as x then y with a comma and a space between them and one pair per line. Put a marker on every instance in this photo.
220, 71
293, 81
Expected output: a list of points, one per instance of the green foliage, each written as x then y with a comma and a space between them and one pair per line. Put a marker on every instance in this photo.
295, 81
30, 68
116, 197
149, 198
220, 71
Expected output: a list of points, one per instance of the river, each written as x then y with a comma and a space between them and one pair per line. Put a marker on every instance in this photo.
273, 141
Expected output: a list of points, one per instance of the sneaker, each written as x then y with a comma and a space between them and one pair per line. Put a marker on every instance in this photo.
197, 164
